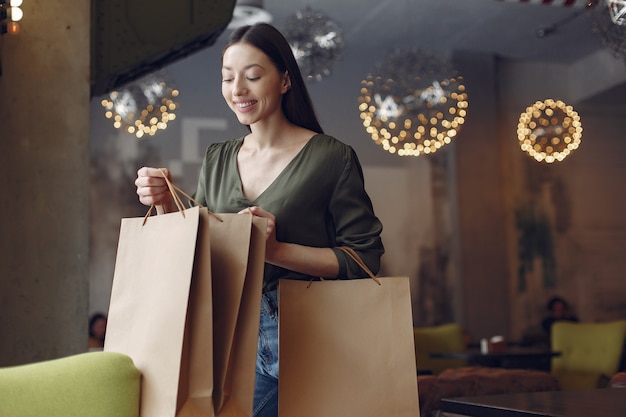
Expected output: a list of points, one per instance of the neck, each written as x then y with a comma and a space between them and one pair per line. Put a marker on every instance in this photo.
271, 133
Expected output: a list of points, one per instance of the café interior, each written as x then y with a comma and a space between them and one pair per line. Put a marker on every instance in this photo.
489, 133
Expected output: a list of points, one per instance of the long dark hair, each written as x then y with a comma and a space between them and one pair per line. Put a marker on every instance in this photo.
296, 104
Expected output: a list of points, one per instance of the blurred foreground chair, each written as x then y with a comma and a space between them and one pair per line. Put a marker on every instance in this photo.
444, 338
471, 381
618, 380
590, 353
95, 384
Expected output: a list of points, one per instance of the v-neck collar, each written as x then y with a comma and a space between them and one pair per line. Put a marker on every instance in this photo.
280, 175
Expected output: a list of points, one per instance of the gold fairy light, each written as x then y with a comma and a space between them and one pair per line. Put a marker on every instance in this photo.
549, 130
413, 103
316, 41
143, 107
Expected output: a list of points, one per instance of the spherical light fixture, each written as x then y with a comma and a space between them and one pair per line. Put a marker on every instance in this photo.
413, 103
316, 41
549, 130
617, 10
143, 107
609, 22
249, 12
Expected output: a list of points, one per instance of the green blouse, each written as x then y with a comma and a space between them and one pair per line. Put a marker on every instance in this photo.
319, 200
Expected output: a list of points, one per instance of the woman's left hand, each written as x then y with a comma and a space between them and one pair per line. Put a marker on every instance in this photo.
314, 261
270, 233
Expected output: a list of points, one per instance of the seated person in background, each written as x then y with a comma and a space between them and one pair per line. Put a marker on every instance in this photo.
559, 310
97, 329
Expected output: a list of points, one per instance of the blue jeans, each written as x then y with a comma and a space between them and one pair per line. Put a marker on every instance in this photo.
266, 384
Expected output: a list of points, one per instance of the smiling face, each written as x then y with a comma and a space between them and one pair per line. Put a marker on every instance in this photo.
251, 84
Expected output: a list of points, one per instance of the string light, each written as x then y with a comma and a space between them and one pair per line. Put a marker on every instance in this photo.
608, 21
316, 41
10, 10
413, 103
143, 107
617, 10
549, 130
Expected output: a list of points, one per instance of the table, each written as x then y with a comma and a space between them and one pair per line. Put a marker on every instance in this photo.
606, 402
512, 357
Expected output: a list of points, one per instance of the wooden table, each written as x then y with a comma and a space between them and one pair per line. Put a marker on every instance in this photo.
607, 402
512, 357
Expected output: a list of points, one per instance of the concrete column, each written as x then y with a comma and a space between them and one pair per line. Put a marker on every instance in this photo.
44, 212
482, 241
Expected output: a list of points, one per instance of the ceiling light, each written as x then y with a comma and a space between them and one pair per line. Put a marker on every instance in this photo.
10, 14
249, 12
549, 130
413, 103
612, 34
143, 107
316, 41
617, 10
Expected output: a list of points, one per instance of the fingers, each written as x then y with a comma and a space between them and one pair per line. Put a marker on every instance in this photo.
271, 220
258, 211
152, 187
153, 172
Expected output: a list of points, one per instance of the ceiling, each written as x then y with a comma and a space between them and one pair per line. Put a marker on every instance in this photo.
505, 28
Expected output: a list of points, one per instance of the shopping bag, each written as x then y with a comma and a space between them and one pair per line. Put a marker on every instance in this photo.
346, 348
196, 348
237, 243
238, 259
160, 312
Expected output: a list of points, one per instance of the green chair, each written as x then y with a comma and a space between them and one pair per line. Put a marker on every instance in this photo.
94, 384
444, 338
590, 353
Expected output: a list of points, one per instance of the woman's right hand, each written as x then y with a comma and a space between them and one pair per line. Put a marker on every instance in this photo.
152, 188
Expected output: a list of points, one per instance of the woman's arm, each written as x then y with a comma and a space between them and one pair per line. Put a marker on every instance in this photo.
317, 262
356, 225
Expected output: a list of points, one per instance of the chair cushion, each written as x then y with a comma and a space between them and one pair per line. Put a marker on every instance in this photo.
444, 338
590, 353
94, 384
618, 380
475, 380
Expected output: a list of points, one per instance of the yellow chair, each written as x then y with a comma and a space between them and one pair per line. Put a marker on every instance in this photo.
590, 353
444, 338
94, 384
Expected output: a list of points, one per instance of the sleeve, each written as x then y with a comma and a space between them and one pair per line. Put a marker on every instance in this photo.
356, 225
210, 165
200, 194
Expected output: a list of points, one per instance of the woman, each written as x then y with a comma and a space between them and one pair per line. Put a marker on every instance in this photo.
307, 184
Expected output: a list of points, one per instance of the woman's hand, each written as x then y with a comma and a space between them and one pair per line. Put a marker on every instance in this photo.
317, 262
152, 188
270, 233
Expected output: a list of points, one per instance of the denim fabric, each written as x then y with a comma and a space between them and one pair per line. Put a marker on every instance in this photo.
266, 384
265, 396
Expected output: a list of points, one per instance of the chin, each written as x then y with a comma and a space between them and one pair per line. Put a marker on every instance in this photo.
245, 120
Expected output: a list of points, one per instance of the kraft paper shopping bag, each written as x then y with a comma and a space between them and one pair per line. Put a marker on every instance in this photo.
160, 312
237, 243
238, 258
346, 349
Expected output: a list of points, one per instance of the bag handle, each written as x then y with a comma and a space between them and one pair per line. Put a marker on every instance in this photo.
174, 190
356, 258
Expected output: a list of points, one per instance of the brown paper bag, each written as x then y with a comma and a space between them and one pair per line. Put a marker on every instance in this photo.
346, 349
155, 318
238, 257
193, 364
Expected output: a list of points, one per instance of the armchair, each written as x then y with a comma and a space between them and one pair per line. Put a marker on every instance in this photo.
590, 353
444, 338
94, 384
